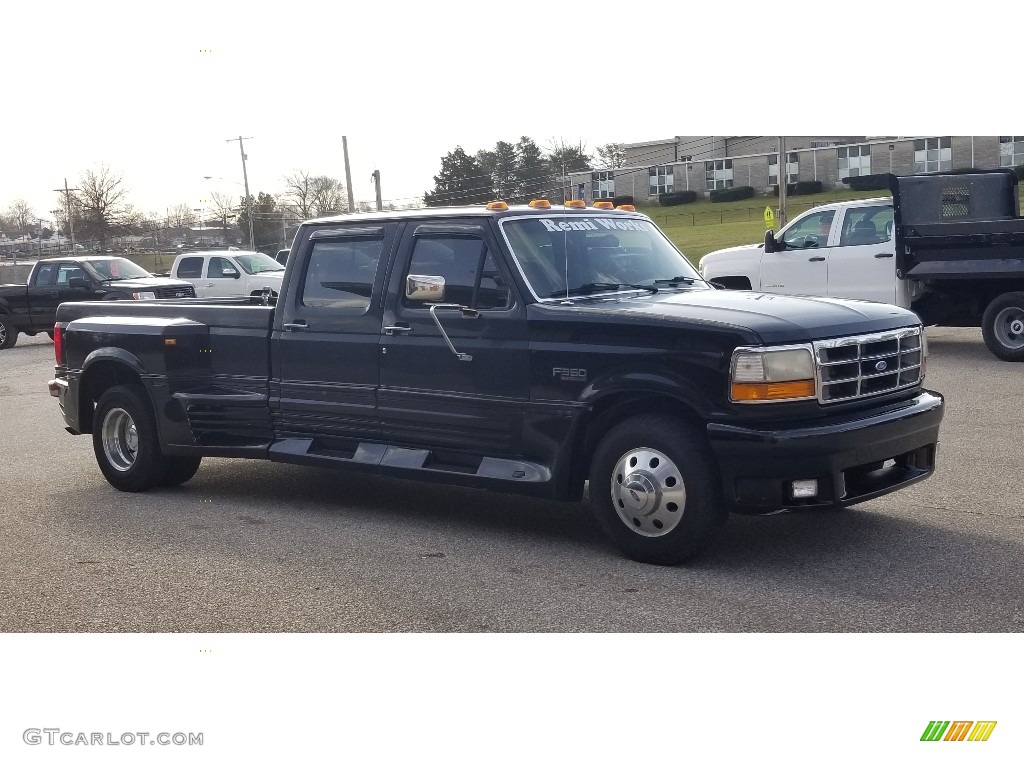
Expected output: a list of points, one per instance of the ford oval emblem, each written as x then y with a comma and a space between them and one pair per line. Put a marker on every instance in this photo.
881, 365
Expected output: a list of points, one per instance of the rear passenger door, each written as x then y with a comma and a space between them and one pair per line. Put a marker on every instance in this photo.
862, 264
42, 298
466, 392
190, 269
327, 334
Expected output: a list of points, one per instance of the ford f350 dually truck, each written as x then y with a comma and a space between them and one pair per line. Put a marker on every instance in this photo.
526, 349
949, 246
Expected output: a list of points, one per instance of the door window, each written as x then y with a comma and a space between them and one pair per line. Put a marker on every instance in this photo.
44, 275
810, 232
220, 267
470, 273
340, 275
867, 226
191, 267
66, 271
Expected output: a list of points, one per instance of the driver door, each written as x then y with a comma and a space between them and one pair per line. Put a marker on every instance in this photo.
222, 278
800, 266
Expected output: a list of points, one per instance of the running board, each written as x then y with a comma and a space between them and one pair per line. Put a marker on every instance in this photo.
303, 450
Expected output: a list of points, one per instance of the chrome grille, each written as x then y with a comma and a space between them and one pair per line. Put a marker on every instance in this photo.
175, 292
868, 365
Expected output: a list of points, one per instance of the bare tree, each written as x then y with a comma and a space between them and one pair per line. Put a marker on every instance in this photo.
298, 193
21, 215
105, 211
180, 216
328, 196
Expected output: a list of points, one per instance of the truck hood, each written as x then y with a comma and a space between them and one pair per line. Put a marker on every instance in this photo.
735, 253
772, 318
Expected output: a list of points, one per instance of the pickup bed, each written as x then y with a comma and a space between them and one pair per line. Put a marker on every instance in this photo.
525, 349
32, 308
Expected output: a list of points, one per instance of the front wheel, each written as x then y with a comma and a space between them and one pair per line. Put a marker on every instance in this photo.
125, 441
1002, 327
654, 490
179, 469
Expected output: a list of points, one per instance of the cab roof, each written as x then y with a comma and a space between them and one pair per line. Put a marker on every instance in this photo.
472, 210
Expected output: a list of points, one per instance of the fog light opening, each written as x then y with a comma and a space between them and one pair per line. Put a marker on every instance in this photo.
803, 489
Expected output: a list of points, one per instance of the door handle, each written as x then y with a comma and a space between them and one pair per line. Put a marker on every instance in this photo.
816, 258
391, 330
209, 285
299, 326
884, 255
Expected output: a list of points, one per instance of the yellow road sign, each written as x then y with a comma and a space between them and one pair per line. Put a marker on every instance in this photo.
769, 218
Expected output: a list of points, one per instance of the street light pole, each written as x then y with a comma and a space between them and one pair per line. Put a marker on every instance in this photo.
248, 199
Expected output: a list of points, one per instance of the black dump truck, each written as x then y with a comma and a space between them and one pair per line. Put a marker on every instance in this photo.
960, 242
528, 349
32, 308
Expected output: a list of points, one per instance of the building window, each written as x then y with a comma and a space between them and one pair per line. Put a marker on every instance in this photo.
853, 161
661, 179
718, 174
1011, 151
792, 168
932, 155
603, 184
822, 143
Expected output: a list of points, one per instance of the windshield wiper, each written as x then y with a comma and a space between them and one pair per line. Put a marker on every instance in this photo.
589, 288
675, 280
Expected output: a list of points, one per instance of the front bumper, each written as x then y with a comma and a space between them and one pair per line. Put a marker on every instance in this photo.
852, 460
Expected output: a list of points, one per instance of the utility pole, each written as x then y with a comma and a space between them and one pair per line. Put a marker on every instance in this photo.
783, 180
348, 176
67, 204
248, 198
39, 240
376, 181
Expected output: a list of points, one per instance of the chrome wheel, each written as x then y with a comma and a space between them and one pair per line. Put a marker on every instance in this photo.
648, 492
1008, 327
120, 439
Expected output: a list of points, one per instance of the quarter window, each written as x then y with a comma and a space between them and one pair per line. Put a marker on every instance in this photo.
718, 174
1011, 151
340, 275
471, 277
853, 161
661, 180
932, 155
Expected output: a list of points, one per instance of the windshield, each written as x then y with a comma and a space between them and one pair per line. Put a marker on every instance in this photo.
254, 263
604, 253
115, 269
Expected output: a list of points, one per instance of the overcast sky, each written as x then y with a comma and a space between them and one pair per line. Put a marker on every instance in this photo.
153, 91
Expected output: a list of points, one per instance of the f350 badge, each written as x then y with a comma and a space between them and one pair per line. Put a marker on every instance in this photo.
570, 374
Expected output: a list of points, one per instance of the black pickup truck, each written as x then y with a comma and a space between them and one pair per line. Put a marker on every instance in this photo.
526, 349
32, 308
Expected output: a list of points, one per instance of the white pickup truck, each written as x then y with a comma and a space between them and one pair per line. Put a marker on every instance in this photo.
228, 273
948, 246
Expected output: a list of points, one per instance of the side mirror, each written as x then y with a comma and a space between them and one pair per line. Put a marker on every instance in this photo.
770, 246
230, 273
424, 288
78, 282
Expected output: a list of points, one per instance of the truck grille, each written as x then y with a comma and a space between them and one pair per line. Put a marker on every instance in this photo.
868, 365
175, 292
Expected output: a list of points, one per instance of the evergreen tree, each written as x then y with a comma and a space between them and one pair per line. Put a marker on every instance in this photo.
533, 173
461, 182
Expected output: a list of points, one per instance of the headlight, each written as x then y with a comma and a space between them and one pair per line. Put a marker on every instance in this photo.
143, 295
760, 375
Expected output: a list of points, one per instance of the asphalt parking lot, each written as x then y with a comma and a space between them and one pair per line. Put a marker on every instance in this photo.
252, 546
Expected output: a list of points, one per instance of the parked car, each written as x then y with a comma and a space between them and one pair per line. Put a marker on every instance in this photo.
948, 246
226, 273
32, 308
523, 349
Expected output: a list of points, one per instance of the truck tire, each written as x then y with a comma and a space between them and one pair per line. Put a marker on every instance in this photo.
8, 333
125, 441
654, 490
179, 469
1002, 327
